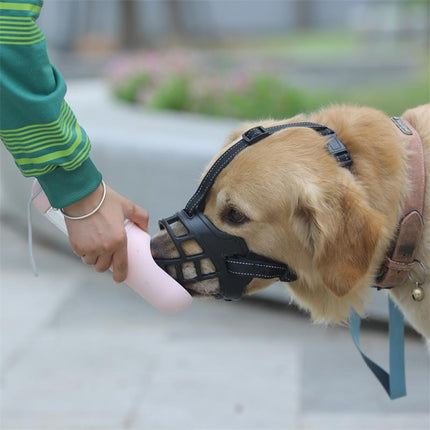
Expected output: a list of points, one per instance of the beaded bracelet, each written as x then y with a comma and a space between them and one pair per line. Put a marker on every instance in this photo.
90, 213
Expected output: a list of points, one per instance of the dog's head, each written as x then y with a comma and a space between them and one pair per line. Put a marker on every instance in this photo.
288, 198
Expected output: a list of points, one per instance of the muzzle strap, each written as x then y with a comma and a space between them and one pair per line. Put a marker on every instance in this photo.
334, 146
256, 266
197, 201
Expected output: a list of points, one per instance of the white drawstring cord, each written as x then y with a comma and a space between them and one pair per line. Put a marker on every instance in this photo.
30, 236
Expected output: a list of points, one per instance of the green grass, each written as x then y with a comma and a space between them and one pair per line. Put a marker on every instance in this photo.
309, 45
392, 99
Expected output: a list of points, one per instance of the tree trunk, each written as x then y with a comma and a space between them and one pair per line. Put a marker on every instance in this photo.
130, 36
304, 11
176, 24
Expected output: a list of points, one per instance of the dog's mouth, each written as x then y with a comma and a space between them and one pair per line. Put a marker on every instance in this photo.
208, 288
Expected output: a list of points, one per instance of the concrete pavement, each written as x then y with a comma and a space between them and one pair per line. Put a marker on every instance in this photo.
79, 352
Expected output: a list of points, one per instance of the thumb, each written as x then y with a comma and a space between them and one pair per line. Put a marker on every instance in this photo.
138, 215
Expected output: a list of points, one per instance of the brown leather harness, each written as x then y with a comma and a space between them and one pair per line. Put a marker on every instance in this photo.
400, 259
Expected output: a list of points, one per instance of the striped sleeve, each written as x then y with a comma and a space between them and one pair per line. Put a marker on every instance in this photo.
36, 125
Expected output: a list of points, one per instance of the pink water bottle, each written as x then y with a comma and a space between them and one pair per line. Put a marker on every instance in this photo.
144, 275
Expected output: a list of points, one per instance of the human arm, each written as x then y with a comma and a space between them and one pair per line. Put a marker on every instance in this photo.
41, 132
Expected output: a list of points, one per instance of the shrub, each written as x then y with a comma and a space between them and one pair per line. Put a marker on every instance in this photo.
230, 87
128, 89
173, 94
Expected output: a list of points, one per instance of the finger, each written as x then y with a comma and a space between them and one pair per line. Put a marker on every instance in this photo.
89, 259
103, 262
138, 215
120, 265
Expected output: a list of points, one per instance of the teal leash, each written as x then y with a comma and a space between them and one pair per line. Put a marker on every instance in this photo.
394, 382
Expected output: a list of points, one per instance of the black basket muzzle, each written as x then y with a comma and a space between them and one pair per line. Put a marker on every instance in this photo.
216, 245
234, 265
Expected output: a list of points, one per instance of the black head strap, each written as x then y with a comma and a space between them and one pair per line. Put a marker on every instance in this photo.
257, 266
334, 147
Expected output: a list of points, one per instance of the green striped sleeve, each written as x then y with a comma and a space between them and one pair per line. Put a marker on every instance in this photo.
27, 8
40, 148
36, 125
19, 30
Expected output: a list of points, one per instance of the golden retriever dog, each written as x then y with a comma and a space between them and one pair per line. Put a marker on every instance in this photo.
291, 202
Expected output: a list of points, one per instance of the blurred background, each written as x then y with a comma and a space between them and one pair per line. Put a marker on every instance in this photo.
247, 59
158, 85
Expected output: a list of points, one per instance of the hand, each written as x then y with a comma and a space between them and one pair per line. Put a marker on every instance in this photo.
100, 240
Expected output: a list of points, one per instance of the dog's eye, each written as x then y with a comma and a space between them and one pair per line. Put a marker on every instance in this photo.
233, 216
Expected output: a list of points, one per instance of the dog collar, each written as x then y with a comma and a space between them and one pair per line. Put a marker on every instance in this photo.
400, 258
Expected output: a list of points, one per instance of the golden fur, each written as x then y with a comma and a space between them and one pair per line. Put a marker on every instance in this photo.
331, 225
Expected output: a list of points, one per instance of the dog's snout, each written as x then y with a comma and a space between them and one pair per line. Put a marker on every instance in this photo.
155, 251
165, 247
158, 246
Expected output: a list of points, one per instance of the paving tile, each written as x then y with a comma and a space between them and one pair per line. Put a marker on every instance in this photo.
365, 422
219, 384
27, 303
75, 380
337, 379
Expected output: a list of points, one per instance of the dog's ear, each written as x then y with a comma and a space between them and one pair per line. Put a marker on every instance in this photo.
342, 232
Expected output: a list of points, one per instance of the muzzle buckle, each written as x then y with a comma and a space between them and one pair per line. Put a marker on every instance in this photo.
255, 134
